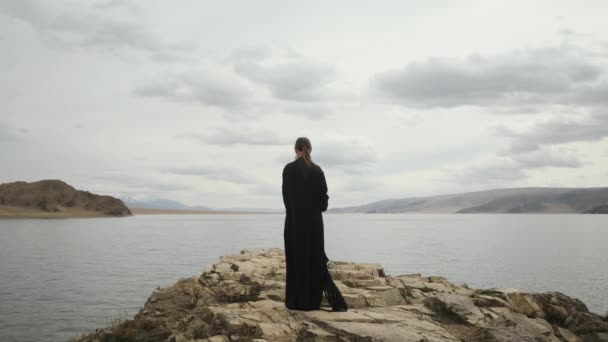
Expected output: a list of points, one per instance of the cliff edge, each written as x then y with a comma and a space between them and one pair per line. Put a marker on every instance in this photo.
240, 298
55, 198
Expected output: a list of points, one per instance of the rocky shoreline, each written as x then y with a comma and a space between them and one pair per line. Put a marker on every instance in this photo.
240, 298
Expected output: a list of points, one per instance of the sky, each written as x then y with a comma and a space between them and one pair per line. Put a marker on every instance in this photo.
201, 101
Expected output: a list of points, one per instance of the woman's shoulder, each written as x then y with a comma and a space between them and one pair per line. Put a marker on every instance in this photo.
288, 165
318, 168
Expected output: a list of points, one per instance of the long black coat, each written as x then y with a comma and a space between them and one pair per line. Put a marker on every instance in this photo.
305, 198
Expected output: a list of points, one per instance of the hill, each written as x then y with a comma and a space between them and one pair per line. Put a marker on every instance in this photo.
55, 198
514, 200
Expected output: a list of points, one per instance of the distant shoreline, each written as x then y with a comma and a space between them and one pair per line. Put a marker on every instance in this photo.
150, 211
8, 212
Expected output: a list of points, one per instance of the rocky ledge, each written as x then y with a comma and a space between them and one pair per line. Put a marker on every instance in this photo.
240, 298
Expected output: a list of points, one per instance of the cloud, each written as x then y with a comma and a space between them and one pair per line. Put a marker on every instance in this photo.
269, 189
241, 83
288, 76
501, 171
10, 133
100, 25
361, 185
508, 168
311, 110
211, 88
557, 131
117, 4
543, 158
571, 33
563, 74
236, 135
125, 183
349, 154
538, 147
213, 172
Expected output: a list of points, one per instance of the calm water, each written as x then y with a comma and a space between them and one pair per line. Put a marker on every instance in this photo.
62, 277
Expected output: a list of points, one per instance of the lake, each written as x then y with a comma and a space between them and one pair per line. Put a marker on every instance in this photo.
63, 277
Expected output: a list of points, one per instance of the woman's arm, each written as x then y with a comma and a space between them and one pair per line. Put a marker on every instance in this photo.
284, 187
324, 198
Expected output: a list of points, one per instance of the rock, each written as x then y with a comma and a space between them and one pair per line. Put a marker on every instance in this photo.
241, 298
450, 304
513, 326
484, 301
217, 338
572, 314
602, 337
524, 303
567, 335
379, 324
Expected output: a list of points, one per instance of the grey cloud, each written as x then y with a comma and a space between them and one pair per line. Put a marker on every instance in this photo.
79, 25
236, 135
117, 4
123, 183
541, 158
512, 167
10, 133
220, 173
349, 154
298, 86
539, 146
361, 184
487, 174
269, 189
311, 110
596, 94
293, 79
557, 75
558, 131
208, 88
536, 148
572, 33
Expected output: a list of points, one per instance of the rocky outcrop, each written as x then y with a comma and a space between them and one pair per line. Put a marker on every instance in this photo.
55, 198
240, 298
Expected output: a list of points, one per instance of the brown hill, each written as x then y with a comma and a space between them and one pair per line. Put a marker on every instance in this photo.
55, 198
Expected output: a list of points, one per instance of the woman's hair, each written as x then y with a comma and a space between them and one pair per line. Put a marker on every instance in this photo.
303, 145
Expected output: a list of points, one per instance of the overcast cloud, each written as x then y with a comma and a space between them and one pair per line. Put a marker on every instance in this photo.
201, 102
562, 74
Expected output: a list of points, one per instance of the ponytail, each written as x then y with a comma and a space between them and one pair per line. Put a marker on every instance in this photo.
306, 156
303, 145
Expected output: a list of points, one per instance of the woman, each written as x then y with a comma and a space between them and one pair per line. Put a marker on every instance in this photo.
305, 197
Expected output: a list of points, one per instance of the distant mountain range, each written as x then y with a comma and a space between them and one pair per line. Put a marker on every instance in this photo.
167, 204
514, 200
257, 210
160, 203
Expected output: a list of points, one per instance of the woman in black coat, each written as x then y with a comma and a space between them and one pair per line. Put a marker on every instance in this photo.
305, 197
